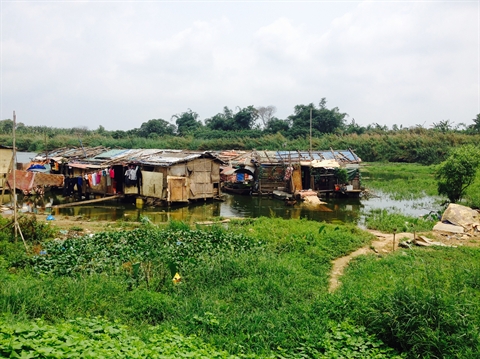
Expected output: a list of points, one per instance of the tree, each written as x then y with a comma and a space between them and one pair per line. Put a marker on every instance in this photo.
443, 126
6, 126
475, 128
323, 119
245, 118
275, 125
458, 171
354, 127
187, 122
101, 131
221, 121
265, 114
159, 127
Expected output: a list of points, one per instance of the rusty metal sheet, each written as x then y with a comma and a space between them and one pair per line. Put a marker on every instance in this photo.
47, 179
23, 180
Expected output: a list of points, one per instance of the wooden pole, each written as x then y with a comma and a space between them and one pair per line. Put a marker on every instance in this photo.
14, 167
310, 131
14, 194
394, 232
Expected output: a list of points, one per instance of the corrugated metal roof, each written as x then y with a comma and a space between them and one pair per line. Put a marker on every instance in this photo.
281, 157
109, 154
153, 157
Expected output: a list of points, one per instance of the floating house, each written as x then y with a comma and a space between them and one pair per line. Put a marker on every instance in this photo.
332, 171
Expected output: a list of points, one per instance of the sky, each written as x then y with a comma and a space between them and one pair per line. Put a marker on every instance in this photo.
118, 64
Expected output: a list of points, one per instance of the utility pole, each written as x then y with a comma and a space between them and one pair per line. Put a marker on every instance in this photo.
13, 190
310, 130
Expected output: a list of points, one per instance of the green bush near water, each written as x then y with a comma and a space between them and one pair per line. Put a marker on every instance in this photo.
411, 181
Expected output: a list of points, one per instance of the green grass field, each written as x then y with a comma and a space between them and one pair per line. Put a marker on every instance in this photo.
256, 288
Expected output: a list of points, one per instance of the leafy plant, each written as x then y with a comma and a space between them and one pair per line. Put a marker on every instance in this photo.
458, 172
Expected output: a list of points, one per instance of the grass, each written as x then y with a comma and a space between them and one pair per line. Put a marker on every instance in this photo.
400, 181
389, 222
269, 299
249, 289
422, 302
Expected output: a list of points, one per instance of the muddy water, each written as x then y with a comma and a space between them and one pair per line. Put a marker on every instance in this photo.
335, 210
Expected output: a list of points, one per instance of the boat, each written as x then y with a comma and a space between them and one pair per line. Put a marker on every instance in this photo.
237, 188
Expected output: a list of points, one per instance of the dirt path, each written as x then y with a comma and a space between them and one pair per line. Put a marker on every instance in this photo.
383, 245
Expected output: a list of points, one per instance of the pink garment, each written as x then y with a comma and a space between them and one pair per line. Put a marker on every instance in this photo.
112, 173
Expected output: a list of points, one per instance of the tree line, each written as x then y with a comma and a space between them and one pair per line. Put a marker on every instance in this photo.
258, 127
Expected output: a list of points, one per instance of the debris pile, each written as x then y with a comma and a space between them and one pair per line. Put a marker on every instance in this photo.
459, 221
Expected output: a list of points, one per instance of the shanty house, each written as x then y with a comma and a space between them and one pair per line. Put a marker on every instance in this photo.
293, 171
164, 175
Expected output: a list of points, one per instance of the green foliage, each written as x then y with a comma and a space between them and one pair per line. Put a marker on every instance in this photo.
113, 252
97, 338
187, 123
248, 288
322, 121
341, 175
257, 289
156, 128
222, 131
458, 172
33, 231
345, 340
472, 194
475, 127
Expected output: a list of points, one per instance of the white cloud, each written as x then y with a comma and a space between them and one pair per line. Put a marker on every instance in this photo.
121, 64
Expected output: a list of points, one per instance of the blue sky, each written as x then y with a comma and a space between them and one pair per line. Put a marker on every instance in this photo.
121, 63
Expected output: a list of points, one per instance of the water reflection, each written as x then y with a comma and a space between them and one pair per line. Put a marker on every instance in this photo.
334, 210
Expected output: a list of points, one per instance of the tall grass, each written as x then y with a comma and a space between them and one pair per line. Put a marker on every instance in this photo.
422, 302
411, 145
